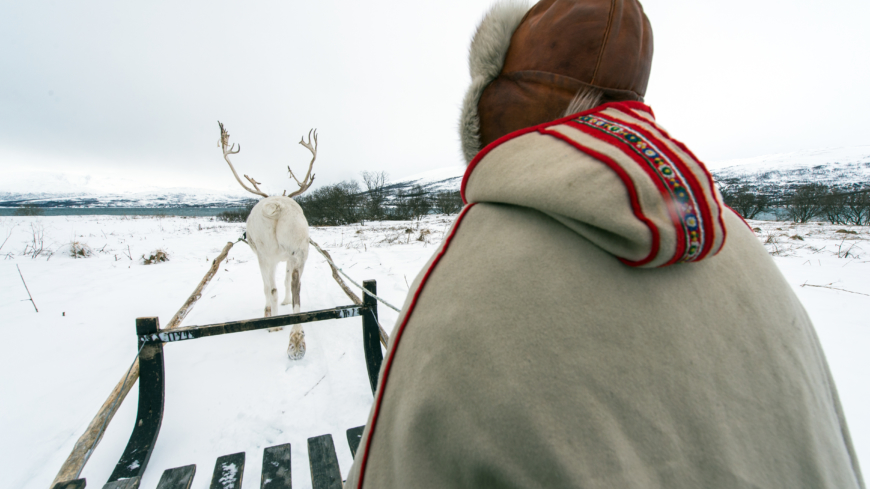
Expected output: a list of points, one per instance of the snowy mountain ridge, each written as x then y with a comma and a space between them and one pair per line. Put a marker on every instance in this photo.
846, 168
65, 189
843, 169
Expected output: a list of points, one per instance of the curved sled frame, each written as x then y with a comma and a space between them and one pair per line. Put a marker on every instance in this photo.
133, 462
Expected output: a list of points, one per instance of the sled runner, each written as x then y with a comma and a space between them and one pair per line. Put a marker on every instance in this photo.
229, 469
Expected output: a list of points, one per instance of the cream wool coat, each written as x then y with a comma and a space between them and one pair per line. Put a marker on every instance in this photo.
567, 334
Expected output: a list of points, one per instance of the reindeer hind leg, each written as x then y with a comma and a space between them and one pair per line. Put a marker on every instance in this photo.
296, 289
296, 348
270, 289
287, 284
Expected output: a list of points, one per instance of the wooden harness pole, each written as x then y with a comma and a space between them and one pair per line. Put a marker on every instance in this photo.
72, 468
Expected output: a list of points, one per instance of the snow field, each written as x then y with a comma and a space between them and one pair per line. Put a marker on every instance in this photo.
829, 269
224, 394
240, 392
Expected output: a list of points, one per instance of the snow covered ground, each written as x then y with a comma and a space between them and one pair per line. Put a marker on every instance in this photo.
239, 392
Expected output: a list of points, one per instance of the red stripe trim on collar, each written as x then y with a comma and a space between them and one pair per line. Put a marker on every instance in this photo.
634, 200
691, 180
709, 181
700, 163
653, 177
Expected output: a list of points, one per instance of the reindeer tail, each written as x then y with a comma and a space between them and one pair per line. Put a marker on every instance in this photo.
273, 210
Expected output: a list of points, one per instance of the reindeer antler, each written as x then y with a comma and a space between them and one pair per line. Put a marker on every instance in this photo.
225, 140
309, 177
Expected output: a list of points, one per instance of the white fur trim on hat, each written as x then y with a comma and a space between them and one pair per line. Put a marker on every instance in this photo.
486, 55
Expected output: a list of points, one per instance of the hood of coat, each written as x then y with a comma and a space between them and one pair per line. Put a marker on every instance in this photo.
613, 176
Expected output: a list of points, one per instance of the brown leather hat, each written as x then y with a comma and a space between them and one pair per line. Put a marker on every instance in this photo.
557, 48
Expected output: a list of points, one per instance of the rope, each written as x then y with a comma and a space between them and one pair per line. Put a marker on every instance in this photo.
106, 422
380, 328
360, 286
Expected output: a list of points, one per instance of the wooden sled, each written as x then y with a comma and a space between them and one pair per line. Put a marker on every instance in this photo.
229, 469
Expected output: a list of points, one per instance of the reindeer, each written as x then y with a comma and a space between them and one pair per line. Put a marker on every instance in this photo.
277, 231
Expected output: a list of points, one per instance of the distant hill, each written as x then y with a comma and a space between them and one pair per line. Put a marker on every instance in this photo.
841, 169
844, 169
448, 178
60, 189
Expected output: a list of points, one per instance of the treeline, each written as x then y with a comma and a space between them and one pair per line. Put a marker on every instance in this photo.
347, 202
801, 203
29, 210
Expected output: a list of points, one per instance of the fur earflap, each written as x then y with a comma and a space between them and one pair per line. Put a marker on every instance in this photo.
489, 46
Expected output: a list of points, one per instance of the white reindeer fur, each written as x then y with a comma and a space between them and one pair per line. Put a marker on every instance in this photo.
489, 46
277, 231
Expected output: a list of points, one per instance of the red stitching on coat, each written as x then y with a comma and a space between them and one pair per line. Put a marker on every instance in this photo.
397, 338
629, 186
691, 180
706, 172
633, 105
653, 177
712, 186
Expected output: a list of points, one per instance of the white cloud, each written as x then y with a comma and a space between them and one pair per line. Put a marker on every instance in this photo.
136, 89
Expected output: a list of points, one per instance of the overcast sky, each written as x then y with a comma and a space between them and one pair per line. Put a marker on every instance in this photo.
135, 89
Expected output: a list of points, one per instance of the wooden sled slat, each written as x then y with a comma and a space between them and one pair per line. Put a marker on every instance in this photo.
354, 436
75, 484
323, 463
228, 472
177, 478
276, 468
132, 483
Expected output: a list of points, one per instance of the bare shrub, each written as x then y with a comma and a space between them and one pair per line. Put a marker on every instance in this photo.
333, 205
834, 209
157, 256
773, 241
857, 208
376, 194
744, 199
806, 202
850, 251
36, 246
237, 215
412, 204
447, 202
77, 249
851, 208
